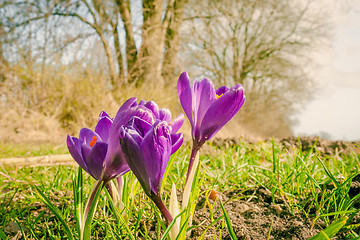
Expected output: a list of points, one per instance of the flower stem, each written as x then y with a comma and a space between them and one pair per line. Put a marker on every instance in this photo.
109, 188
120, 185
194, 151
90, 210
161, 206
91, 198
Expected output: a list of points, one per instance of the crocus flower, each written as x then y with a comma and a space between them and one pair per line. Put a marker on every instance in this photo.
99, 152
90, 149
208, 109
147, 148
149, 112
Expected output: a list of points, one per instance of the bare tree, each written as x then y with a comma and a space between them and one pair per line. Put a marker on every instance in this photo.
263, 45
139, 58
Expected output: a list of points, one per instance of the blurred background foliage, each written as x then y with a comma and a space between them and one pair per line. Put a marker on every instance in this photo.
64, 61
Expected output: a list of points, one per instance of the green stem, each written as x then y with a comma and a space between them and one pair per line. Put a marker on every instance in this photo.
161, 206
109, 189
194, 151
90, 210
120, 185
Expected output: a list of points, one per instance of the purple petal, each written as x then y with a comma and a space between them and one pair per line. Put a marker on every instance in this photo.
103, 127
140, 125
135, 159
104, 114
177, 123
142, 102
85, 150
185, 95
95, 159
221, 90
203, 96
74, 146
138, 111
131, 102
115, 163
131, 132
114, 148
116, 166
176, 141
156, 148
165, 115
221, 111
86, 136
153, 107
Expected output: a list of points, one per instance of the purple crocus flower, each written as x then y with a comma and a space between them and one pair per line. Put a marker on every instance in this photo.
99, 152
90, 149
208, 109
149, 112
147, 148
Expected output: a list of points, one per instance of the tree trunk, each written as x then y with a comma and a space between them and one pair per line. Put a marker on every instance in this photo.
172, 42
107, 48
131, 51
121, 75
151, 51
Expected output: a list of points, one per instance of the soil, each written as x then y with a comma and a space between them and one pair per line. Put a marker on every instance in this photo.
253, 213
253, 217
324, 146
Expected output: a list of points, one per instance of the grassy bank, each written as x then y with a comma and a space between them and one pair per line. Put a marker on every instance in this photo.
263, 181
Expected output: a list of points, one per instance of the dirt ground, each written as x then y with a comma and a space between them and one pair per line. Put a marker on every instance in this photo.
253, 217
253, 214
325, 147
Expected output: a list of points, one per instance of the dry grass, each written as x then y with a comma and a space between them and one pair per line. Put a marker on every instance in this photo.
38, 107
44, 108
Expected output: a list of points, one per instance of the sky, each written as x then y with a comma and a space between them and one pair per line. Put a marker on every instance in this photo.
335, 110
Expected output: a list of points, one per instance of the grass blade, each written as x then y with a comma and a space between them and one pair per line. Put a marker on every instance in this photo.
2, 235
167, 230
119, 217
331, 230
328, 173
55, 210
228, 222
174, 211
78, 199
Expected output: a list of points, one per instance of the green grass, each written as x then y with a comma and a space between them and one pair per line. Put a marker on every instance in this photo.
23, 150
306, 183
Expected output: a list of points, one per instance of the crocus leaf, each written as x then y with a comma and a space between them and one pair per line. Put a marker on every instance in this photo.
174, 211
90, 210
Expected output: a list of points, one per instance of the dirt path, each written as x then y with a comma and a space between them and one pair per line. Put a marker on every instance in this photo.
48, 160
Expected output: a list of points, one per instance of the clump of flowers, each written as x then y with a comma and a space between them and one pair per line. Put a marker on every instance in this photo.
141, 138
